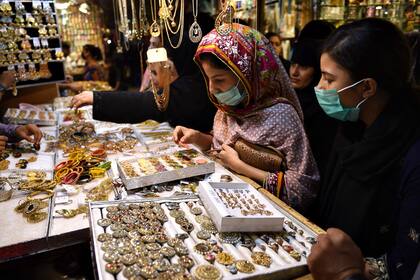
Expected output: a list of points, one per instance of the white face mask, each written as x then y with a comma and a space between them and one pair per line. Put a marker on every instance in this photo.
330, 103
231, 97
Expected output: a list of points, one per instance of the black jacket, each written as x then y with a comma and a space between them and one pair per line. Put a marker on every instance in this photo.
188, 105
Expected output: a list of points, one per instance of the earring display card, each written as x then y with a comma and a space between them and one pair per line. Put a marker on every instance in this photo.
19, 116
142, 172
239, 207
171, 238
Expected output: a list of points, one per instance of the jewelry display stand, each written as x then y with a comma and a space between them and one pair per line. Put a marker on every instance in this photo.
187, 243
30, 44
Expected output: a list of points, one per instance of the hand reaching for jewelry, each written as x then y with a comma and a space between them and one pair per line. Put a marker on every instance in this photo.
29, 132
3, 142
229, 157
82, 99
335, 256
184, 136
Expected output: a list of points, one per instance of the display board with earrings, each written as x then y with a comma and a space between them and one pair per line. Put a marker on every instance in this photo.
30, 45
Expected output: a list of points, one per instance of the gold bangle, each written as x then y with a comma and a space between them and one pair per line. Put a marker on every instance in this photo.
97, 172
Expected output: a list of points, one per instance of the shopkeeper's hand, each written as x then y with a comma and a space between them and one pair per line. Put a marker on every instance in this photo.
82, 99
335, 256
229, 157
184, 136
29, 132
3, 142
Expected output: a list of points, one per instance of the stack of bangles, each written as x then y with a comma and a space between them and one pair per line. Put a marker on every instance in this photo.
81, 168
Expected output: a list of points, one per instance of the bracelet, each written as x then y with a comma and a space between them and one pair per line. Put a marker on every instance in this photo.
50, 193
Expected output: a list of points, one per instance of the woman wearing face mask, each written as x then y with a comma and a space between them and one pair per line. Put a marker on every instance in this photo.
371, 189
256, 104
305, 74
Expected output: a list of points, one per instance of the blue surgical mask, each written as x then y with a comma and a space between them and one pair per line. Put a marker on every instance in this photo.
231, 97
330, 103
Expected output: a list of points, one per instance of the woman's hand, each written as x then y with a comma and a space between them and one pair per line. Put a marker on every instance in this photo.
3, 142
335, 256
82, 99
184, 136
29, 132
230, 158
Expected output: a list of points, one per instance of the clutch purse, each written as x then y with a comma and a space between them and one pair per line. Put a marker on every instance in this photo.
264, 158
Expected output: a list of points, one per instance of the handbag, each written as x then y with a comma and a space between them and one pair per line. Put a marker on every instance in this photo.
261, 157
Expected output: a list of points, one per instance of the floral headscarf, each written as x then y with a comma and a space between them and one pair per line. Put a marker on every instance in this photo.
252, 59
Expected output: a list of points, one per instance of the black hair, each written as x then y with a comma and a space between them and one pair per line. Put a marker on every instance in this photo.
94, 51
268, 35
316, 29
372, 48
214, 61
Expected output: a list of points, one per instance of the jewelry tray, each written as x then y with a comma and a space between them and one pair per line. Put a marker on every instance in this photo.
283, 266
231, 219
170, 174
45, 162
19, 116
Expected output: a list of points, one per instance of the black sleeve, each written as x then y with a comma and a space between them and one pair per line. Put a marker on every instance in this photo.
188, 105
125, 107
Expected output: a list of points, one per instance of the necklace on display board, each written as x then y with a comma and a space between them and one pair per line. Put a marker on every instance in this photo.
195, 32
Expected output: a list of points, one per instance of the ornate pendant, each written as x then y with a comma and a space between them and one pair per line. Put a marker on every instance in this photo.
155, 29
224, 21
195, 32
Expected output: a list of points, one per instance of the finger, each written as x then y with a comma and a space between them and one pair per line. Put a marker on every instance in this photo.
3, 138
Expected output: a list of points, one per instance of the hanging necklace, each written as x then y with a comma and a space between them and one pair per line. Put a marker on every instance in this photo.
117, 31
180, 28
154, 28
134, 34
143, 24
224, 21
195, 32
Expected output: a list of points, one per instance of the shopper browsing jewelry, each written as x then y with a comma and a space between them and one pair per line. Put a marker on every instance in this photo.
258, 114
371, 190
187, 105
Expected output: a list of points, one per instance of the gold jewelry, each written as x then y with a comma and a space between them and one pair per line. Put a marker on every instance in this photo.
207, 272
224, 258
224, 21
37, 217
261, 258
244, 266
154, 27
49, 194
70, 213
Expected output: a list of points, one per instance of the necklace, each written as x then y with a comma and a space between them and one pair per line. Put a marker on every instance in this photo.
169, 26
143, 24
119, 47
162, 99
134, 34
154, 28
224, 20
195, 32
